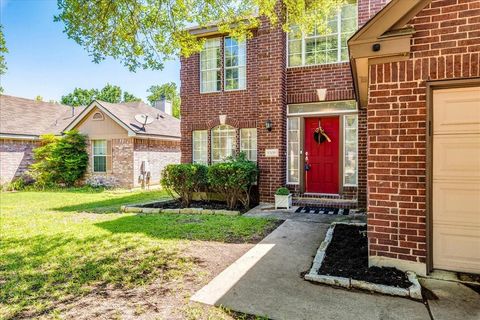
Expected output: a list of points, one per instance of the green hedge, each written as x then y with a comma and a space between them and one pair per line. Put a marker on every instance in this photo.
232, 179
184, 179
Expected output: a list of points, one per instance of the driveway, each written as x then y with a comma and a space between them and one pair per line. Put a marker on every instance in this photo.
268, 281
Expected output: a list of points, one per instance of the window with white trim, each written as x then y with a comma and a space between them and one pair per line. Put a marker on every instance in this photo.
350, 152
200, 146
293, 151
224, 143
99, 155
322, 48
248, 143
235, 64
211, 66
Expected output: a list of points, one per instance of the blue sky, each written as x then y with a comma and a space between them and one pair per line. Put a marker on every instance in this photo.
43, 61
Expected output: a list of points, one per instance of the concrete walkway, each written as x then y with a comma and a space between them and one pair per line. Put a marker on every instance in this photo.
267, 281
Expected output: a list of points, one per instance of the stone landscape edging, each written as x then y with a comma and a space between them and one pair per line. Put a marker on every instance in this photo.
140, 208
414, 291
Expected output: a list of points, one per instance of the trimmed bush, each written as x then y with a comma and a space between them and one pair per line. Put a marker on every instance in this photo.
282, 191
184, 179
233, 179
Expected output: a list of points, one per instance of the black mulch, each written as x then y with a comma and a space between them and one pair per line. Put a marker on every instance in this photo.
347, 256
209, 205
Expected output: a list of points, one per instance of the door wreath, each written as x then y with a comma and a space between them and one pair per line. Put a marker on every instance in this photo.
320, 135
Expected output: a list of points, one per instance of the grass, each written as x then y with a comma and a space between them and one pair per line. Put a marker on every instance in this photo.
57, 246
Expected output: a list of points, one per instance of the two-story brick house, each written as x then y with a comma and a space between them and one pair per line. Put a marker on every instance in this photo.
267, 96
375, 96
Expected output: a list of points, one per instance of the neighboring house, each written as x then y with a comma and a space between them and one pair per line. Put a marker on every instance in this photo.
121, 150
22, 121
415, 66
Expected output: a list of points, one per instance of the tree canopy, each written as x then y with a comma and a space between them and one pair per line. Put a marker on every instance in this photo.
3, 51
168, 91
109, 93
144, 33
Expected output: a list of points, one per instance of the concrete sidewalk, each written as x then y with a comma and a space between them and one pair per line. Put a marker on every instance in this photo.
267, 281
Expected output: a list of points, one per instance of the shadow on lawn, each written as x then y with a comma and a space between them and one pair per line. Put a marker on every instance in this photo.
112, 205
39, 272
192, 227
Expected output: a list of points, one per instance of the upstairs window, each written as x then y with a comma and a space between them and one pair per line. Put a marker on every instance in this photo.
321, 48
210, 66
235, 64
224, 142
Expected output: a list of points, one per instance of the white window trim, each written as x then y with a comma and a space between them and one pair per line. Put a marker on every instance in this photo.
339, 49
193, 147
256, 142
212, 160
343, 154
214, 69
299, 153
238, 67
105, 156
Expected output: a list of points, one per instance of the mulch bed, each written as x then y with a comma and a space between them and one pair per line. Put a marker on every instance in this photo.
209, 205
347, 256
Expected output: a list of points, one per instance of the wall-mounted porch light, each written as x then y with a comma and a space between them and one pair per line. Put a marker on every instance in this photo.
268, 125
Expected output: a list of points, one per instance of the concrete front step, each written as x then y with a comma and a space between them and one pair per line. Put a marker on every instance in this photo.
325, 202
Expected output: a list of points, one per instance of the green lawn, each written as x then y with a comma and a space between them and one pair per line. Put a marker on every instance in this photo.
58, 246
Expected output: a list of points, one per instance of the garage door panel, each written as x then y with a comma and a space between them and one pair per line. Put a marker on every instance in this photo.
456, 179
456, 249
456, 156
456, 111
456, 203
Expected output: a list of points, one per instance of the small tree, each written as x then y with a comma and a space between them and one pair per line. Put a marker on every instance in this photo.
60, 160
184, 179
71, 157
233, 179
44, 169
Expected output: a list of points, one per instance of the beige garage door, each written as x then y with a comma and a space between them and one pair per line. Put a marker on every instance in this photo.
456, 179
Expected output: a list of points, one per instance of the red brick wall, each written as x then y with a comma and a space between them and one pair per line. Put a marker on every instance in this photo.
264, 98
16, 156
368, 8
158, 153
445, 46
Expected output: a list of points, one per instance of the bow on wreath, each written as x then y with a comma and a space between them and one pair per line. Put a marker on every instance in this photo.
320, 135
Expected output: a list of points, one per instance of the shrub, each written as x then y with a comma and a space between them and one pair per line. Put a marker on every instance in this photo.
282, 191
233, 179
70, 154
20, 183
60, 160
184, 179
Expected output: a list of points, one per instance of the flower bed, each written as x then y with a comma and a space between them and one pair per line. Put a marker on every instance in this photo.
175, 206
342, 260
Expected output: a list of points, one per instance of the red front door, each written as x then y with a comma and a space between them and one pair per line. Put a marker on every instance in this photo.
322, 159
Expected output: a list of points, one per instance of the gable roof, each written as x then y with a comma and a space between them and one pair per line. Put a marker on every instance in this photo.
384, 38
25, 118
163, 125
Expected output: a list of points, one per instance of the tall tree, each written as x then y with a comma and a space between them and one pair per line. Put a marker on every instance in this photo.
143, 33
79, 97
3, 51
168, 91
109, 93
